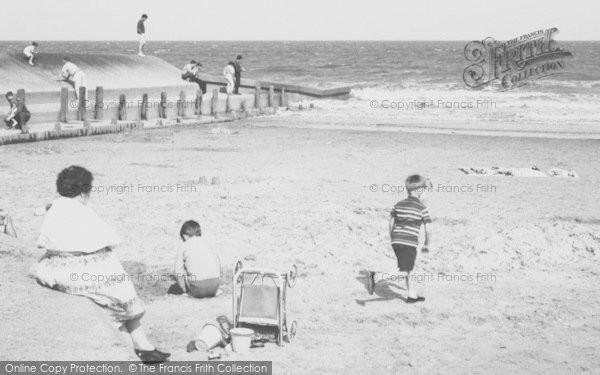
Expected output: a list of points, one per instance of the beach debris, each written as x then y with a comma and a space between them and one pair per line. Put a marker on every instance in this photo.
558, 172
213, 355
6, 225
220, 130
501, 171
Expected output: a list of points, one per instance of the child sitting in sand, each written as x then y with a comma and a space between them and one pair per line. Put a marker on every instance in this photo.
197, 268
405, 225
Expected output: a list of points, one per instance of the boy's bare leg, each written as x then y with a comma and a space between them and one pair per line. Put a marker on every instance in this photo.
410, 290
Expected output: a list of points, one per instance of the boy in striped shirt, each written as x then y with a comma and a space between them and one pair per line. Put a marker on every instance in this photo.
405, 224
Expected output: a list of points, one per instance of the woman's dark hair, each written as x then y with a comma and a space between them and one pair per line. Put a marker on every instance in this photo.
190, 228
73, 181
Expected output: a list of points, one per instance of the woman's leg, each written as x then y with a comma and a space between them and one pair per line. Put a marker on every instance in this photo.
138, 336
127, 337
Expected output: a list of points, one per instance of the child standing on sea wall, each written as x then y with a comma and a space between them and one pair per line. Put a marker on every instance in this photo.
197, 268
406, 219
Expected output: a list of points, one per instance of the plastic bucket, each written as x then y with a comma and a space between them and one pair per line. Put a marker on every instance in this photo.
241, 338
210, 336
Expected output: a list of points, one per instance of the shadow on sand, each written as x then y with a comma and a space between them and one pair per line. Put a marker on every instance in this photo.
384, 290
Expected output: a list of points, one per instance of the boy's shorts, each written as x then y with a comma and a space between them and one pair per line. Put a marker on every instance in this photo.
406, 256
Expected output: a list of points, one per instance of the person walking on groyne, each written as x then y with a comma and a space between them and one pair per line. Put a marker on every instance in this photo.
229, 73
238, 74
141, 32
71, 74
30, 52
190, 73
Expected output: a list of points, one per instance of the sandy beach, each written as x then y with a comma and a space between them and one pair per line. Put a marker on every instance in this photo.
511, 279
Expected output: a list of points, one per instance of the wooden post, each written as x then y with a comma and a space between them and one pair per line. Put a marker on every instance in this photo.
144, 109
64, 104
214, 102
21, 96
282, 100
257, 95
81, 104
228, 104
99, 106
198, 103
271, 96
122, 108
162, 110
182, 104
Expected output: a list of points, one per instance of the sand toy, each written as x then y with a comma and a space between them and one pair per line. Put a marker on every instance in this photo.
259, 303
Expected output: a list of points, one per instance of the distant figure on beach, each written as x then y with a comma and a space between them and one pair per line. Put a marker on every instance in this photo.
79, 250
190, 73
18, 114
229, 73
238, 74
405, 225
30, 52
74, 76
141, 32
197, 267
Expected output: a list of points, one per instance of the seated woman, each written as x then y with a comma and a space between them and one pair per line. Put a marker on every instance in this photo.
197, 268
79, 256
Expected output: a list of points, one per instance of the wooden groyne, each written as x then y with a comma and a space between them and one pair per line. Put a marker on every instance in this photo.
100, 118
156, 95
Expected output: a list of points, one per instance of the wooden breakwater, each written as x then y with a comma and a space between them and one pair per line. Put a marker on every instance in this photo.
97, 113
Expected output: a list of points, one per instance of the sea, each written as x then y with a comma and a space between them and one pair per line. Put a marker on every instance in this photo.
408, 80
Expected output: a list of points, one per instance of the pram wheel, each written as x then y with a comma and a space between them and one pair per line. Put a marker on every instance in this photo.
291, 331
291, 276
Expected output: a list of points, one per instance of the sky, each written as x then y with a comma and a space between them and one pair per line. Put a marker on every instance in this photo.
297, 20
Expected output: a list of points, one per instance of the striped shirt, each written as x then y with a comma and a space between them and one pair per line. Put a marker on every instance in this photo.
408, 216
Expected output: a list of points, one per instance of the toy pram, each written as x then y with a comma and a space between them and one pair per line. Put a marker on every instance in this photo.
259, 303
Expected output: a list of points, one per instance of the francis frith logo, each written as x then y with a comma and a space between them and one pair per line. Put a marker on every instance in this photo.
515, 62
